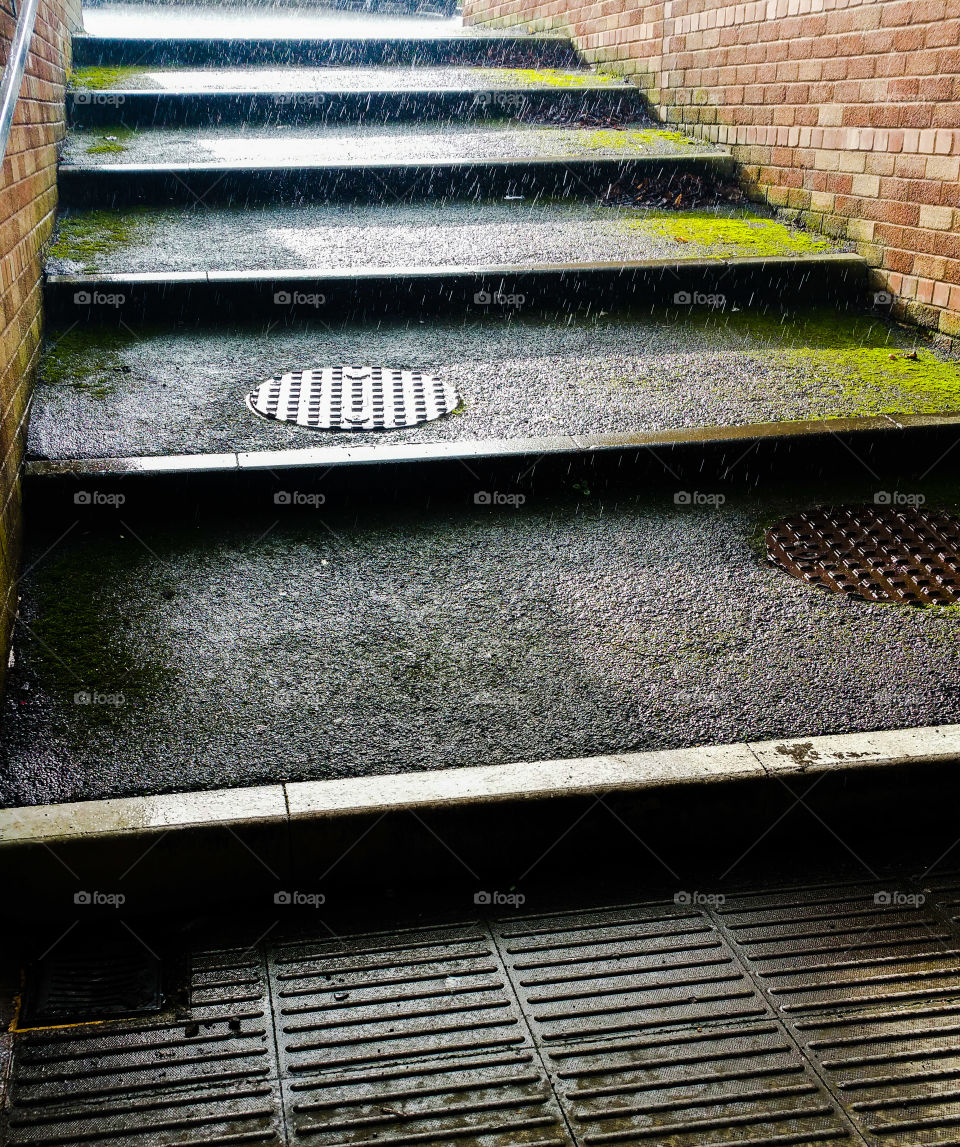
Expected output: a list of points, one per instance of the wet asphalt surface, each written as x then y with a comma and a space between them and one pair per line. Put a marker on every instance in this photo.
182, 391
273, 643
431, 234
398, 143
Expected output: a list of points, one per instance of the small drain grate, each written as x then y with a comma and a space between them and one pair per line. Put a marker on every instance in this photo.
90, 982
354, 398
879, 553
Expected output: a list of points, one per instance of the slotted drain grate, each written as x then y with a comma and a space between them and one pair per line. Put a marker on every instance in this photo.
354, 398
74, 984
879, 553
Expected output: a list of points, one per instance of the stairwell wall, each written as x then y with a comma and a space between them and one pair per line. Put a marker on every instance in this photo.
845, 114
28, 198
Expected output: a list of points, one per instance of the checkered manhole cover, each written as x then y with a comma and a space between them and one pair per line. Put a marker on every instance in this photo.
354, 398
880, 553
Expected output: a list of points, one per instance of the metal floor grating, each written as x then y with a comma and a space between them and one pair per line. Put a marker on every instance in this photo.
822, 1014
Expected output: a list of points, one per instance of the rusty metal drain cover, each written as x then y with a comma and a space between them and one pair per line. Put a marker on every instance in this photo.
354, 398
879, 553
80, 983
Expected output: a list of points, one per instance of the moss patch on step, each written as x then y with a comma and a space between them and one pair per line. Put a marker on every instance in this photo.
100, 78
87, 359
545, 78
724, 236
83, 237
640, 140
111, 142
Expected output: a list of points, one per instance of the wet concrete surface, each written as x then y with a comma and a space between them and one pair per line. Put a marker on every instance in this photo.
146, 391
268, 642
246, 20
399, 143
440, 233
258, 78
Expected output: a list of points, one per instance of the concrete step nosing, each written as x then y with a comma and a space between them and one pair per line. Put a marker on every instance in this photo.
472, 786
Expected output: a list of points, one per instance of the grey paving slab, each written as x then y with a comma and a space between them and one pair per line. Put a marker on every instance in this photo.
149, 392
373, 143
330, 641
266, 79
432, 234
265, 19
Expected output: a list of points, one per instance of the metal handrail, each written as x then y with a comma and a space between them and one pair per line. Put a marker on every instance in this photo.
13, 72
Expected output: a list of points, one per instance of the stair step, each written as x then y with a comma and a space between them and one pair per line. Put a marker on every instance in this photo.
303, 95
150, 390
238, 51
124, 185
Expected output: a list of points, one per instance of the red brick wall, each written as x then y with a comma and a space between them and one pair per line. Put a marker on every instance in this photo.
27, 205
845, 113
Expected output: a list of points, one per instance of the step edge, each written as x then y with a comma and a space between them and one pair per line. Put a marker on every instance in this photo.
493, 448
300, 802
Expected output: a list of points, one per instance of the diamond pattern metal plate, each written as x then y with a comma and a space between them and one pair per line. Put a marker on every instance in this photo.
879, 553
354, 398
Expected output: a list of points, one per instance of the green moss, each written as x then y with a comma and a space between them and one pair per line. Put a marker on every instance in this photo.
632, 139
83, 237
100, 78
722, 236
545, 78
78, 644
87, 359
111, 142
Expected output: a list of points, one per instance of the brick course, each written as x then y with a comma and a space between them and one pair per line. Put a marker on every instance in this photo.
844, 114
28, 201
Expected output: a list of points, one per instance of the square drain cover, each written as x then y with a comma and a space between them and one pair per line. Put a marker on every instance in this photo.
76, 983
878, 553
354, 398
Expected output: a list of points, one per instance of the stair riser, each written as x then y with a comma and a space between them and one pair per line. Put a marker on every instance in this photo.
512, 52
226, 296
170, 109
125, 186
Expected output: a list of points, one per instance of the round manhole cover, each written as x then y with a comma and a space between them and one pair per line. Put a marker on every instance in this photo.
879, 553
354, 398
